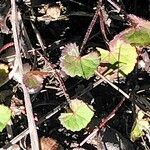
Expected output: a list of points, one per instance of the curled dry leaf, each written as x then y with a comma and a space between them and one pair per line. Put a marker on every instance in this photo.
53, 11
50, 13
34, 80
49, 144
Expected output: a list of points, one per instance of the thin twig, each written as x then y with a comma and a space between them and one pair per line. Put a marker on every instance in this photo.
62, 85
6, 46
113, 85
103, 26
91, 136
103, 122
26, 132
88, 88
88, 32
50, 114
112, 114
56, 74
18, 64
58, 77
38, 36
116, 6
9, 129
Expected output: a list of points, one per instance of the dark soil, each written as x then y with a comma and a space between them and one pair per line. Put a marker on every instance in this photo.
103, 97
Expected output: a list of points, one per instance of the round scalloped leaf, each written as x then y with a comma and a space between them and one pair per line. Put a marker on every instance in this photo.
138, 36
5, 115
74, 65
78, 117
123, 55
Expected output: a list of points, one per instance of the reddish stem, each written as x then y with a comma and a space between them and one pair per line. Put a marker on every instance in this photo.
88, 32
6, 46
111, 115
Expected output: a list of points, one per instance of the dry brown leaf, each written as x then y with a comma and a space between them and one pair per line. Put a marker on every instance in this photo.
48, 144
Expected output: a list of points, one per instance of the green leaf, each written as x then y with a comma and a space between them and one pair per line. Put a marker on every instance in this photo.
5, 115
79, 116
122, 55
3, 73
138, 36
139, 33
140, 125
74, 65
